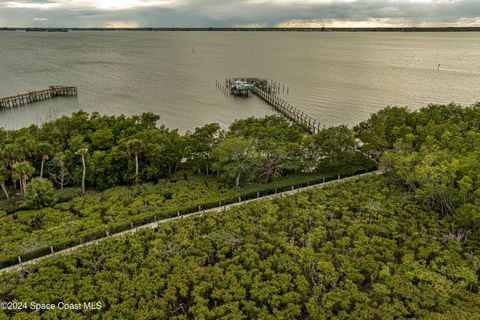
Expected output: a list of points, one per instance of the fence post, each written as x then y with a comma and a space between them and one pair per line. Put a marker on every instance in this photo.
131, 225
338, 176
51, 249
258, 194
106, 231
199, 207
292, 187
178, 213
19, 259
239, 198
323, 180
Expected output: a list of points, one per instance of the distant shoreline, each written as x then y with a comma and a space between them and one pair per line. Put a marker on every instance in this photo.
399, 29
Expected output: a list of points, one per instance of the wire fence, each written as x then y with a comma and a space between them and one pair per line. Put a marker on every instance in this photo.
37, 253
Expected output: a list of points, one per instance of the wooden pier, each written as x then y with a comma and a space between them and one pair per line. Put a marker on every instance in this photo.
287, 110
269, 92
34, 96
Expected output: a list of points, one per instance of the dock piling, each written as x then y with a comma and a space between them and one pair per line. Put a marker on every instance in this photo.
34, 96
270, 92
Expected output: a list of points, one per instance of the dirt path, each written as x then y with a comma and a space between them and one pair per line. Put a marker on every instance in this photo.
199, 213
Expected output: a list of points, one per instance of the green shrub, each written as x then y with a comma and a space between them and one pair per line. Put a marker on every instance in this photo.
40, 194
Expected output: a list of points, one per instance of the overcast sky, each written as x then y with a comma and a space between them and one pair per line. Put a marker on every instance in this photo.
226, 13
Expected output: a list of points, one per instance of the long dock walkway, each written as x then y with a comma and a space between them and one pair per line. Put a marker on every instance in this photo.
270, 93
155, 225
287, 110
34, 96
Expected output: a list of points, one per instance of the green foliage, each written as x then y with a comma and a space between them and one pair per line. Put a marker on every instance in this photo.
382, 129
396, 247
268, 148
201, 144
361, 250
236, 158
273, 147
40, 194
439, 160
100, 152
106, 152
335, 146
4, 177
107, 163
22, 171
76, 217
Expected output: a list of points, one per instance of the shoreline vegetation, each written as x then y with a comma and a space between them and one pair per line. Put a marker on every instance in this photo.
402, 245
254, 29
96, 216
133, 172
53, 243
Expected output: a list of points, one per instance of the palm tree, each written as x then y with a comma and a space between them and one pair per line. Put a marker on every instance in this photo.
24, 171
3, 178
134, 148
12, 154
83, 152
44, 150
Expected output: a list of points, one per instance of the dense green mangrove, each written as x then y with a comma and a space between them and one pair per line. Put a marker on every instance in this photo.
399, 246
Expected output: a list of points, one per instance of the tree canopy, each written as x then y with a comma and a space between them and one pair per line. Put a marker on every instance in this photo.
403, 245
360, 250
100, 152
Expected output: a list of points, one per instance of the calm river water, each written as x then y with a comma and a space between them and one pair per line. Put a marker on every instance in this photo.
338, 78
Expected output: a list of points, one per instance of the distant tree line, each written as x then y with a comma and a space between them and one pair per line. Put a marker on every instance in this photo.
270, 29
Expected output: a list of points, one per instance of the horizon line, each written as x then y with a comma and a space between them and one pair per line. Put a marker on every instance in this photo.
445, 28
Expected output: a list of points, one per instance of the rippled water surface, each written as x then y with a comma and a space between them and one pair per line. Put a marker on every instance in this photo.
335, 77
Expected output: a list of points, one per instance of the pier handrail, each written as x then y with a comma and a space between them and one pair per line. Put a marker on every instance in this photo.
34, 96
287, 110
268, 92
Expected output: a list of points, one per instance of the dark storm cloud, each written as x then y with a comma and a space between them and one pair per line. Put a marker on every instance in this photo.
179, 13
